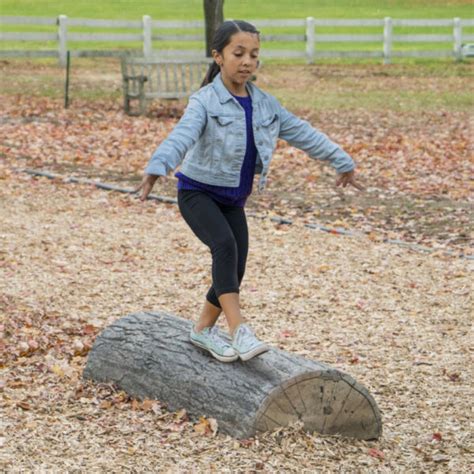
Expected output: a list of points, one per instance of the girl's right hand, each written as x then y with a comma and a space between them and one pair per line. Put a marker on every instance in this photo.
146, 185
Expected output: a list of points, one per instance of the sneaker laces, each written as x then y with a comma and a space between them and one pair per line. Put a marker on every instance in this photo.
243, 332
214, 336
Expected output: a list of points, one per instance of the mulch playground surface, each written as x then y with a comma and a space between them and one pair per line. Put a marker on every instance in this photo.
74, 258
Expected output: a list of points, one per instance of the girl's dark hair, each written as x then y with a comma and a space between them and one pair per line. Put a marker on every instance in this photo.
221, 39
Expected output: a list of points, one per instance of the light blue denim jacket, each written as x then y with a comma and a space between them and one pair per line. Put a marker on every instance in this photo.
210, 139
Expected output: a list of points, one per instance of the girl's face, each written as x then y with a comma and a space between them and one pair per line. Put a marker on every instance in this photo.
239, 59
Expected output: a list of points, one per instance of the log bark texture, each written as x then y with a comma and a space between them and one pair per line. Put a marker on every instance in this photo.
149, 356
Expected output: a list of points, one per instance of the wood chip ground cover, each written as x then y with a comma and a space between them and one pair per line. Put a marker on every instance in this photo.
73, 259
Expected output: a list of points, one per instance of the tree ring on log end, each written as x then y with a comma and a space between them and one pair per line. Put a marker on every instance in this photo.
326, 401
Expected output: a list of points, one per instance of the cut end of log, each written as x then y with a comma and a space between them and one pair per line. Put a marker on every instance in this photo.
327, 402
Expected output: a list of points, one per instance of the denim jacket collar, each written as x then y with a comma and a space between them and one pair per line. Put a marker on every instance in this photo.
224, 94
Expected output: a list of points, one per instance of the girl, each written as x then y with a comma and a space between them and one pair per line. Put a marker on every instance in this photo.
227, 135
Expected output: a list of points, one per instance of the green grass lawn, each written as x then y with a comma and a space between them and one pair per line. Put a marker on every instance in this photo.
263, 9
192, 9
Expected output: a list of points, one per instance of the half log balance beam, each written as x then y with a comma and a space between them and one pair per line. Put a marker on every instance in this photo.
149, 356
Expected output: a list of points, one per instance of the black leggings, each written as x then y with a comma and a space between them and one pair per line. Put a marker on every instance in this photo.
223, 229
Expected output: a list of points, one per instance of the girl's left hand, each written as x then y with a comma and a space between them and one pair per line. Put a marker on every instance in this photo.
348, 178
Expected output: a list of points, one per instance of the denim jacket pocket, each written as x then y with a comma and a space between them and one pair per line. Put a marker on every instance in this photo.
223, 120
267, 121
270, 129
225, 143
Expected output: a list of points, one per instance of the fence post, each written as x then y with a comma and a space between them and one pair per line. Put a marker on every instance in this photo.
387, 40
457, 37
310, 46
62, 39
147, 46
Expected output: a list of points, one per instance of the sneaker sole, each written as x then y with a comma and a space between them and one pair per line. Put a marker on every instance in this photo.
255, 352
215, 355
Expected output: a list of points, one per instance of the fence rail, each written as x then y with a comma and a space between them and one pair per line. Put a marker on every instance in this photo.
310, 38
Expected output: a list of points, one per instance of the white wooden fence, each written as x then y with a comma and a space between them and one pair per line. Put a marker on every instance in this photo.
147, 31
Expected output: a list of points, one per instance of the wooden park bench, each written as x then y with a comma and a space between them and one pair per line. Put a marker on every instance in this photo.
145, 79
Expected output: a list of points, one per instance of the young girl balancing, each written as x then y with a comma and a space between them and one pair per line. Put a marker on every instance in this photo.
227, 135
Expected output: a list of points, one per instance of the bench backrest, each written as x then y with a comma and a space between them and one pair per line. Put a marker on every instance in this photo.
166, 78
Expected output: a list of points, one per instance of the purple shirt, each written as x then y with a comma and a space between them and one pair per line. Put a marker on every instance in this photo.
226, 195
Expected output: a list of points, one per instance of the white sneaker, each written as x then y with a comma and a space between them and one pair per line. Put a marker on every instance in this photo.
246, 344
210, 340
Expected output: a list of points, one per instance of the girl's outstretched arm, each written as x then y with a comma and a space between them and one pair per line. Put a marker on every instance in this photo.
146, 186
300, 134
343, 179
171, 152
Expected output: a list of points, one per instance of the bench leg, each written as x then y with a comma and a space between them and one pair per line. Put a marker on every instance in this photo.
142, 100
142, 105
126, 98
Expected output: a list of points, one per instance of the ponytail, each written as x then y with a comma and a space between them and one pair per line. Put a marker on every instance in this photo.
212, 72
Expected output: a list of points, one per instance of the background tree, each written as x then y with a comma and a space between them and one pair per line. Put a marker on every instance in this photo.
213, 17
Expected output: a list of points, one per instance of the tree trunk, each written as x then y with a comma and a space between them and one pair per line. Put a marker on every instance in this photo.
213, 17
149, 356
